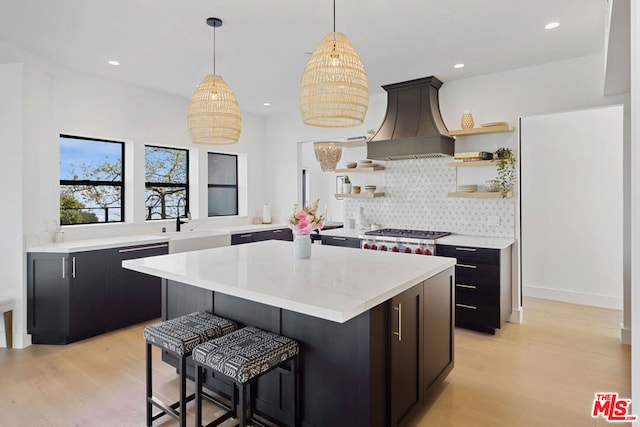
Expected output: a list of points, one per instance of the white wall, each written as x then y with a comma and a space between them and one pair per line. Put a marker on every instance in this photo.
55, 101
11, 243
571, 201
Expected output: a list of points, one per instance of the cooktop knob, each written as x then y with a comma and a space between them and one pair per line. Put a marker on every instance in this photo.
365, 246
418, 251
407, 250
383, 248
395, 249
427, 252
374, 247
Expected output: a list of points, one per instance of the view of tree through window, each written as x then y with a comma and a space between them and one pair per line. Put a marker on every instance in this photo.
91, 180
166, 175
223, 184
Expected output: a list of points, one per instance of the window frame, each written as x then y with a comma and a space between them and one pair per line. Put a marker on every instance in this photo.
87, 182
236, 185
167, 184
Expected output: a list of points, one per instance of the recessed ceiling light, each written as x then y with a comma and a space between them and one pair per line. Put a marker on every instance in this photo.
267, 104
459, 65
113, 62
551, 25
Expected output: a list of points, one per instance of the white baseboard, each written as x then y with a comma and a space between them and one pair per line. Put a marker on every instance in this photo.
573, 297
516, 315
625, 335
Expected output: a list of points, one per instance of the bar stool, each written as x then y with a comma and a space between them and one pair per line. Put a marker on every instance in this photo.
6, 307
243, 356
179, 337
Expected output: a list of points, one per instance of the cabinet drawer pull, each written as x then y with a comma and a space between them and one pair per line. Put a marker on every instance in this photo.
466, 249
143, 249
466, 286
472, 307
73, 267
399, 310
277, 231
246, 235
64, 273
339, 238
466, 266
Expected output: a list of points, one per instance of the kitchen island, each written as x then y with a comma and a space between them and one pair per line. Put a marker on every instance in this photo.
375, 329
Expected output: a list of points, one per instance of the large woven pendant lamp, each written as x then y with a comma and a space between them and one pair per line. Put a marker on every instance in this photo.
214, 113
334, 90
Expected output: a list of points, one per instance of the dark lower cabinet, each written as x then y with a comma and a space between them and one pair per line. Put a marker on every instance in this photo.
78, 295
377, 369
407, 361
133, 297
347, 242
483, 286
66, 296
259, 236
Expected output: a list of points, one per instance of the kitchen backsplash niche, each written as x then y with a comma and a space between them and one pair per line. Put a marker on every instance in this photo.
416, 198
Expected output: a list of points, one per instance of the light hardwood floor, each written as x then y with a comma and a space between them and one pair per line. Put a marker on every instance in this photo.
543, 372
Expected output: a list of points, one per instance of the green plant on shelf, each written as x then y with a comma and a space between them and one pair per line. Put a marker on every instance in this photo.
346, 180
506, 168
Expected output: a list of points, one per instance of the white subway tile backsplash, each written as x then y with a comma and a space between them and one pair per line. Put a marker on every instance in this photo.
416, 198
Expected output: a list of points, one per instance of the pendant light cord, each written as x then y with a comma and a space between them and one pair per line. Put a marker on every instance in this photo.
334, 16
214, 50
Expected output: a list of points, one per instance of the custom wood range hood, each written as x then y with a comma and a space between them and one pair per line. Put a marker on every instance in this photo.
413, 127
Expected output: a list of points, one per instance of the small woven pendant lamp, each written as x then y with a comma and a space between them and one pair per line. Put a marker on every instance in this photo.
334, 90
328, 154
214, 113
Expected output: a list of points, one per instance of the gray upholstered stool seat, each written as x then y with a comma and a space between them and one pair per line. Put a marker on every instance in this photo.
180, 336
243, 356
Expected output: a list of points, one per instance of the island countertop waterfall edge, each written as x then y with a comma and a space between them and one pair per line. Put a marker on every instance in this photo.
342, 307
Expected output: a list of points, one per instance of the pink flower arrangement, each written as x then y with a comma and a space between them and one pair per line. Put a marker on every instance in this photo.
304, 220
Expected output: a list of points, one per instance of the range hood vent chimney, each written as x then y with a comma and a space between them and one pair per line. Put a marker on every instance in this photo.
413, 127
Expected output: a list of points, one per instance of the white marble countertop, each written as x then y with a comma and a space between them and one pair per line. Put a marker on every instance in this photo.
97, 244
143, 239
335, 284
477, 241
453, 239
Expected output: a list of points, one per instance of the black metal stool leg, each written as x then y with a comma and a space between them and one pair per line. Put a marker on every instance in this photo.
149, 387
242, 392
183, 391
294, 379
198, 395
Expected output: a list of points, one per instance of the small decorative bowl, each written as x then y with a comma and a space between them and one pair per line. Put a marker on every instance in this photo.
355, 189
370, 189
351, 165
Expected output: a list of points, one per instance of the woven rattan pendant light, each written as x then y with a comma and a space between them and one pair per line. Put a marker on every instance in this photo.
328, 154
214, 113
334, 90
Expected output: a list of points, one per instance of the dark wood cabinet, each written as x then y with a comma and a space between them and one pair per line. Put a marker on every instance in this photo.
259, 236
133, 297
78, 295
347, 242
66, 296
406, 354
483, 286
377, 369
88, 282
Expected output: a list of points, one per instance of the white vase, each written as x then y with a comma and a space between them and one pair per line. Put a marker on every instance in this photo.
346, 188
302, 246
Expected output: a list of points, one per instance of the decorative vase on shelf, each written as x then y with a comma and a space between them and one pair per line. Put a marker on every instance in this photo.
361, 221
467, 120
302, 246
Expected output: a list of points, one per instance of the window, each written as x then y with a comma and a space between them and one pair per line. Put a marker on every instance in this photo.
91, 180
223, 184
166, 176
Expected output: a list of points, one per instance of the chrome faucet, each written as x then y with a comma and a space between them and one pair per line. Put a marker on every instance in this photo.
179, 221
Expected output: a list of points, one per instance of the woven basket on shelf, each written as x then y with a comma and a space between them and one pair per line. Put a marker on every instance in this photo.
214, 113
334, 90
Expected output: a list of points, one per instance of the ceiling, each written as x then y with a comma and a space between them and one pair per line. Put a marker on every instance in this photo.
260, 49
